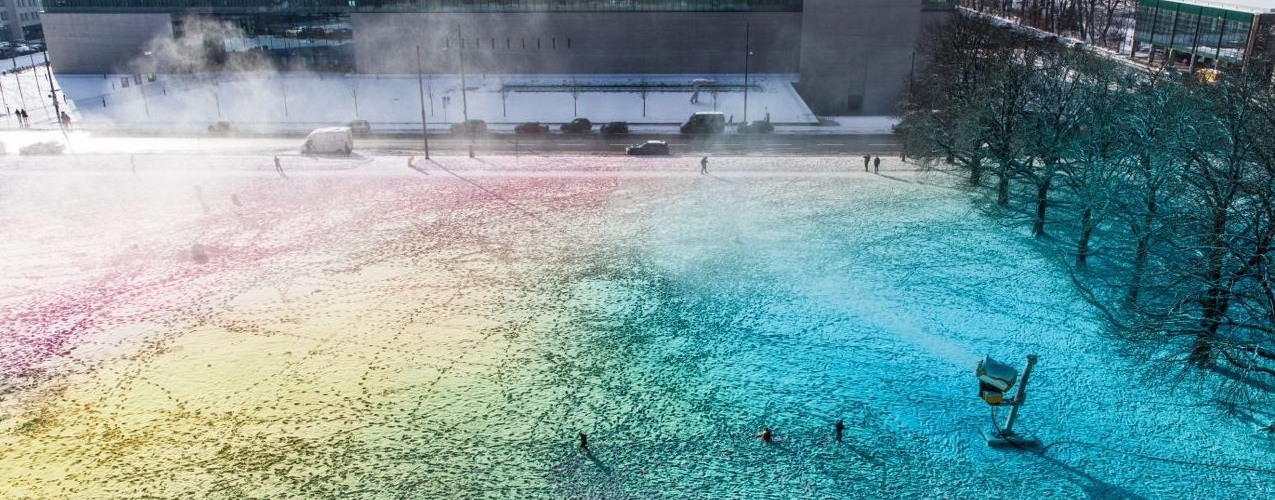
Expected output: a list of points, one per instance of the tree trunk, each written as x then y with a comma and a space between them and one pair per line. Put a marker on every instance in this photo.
1002, 187
1086, 230
1141, 253
976, 172
1042, 205
1216, 297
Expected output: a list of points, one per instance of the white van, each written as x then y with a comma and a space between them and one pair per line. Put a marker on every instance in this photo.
329, 141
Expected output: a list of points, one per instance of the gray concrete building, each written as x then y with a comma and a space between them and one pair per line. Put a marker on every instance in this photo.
20, 19
852, 56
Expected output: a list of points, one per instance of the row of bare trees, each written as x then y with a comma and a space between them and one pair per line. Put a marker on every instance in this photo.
1099, 22
1160, 190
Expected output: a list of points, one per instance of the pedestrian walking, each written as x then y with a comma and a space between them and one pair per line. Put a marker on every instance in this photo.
132, 160
278, 167
703, 165
866, 159
903, 155
876, 165
26, 118
766, 435
838, 428
584, 442
66, 120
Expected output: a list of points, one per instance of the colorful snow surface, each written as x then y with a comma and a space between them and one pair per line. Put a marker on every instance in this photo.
201, 327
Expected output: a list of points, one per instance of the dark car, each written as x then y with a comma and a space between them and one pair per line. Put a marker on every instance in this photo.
615, 128
757, 127
531, 128
578, 126
648, 148
470, 127
360, 127
221, 128
705, 123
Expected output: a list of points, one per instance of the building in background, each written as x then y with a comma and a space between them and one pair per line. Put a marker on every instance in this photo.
20, 20
1191, 35
853, 56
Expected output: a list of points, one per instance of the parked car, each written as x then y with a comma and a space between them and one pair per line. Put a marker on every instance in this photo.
329, 141
470, 127
705, 122
756, 127
221, 128
615, 128
531, 128
648, 148
360, 127
42, 148
578, 126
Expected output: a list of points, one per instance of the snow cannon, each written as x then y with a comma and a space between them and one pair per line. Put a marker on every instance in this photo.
994, 378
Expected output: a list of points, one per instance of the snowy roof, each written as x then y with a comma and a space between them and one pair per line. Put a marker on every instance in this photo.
1254, 6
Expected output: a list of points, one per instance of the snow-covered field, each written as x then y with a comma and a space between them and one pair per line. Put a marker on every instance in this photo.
288, 101
366, 330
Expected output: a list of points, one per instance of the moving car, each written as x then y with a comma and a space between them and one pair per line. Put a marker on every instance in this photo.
578, 126
531, 128
329, 141
615, 128
648, 148
221, 128
470, 127
42, 148
360, 127
756, 127
705, 122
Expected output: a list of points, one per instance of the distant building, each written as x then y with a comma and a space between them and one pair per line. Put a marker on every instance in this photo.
853, 56
20, 20
1217, 34
1192, 35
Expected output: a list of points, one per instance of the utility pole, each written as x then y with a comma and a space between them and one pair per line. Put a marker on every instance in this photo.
283, 84
420, 85
53, 92
747, 56
17, 76
464, 99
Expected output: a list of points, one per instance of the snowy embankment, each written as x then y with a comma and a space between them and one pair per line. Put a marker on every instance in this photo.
364, 330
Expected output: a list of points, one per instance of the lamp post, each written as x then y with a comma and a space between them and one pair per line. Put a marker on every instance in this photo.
420, 86
747, 57
53, 92
464, 99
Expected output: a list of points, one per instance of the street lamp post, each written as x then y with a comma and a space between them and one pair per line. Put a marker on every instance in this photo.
464, 99
747, 56
420, 86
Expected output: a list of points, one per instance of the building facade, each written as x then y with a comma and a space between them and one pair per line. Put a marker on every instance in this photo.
853, 56
20, 20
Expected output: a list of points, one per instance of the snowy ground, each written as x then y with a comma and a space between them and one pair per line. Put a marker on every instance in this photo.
365, 330
273, 101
